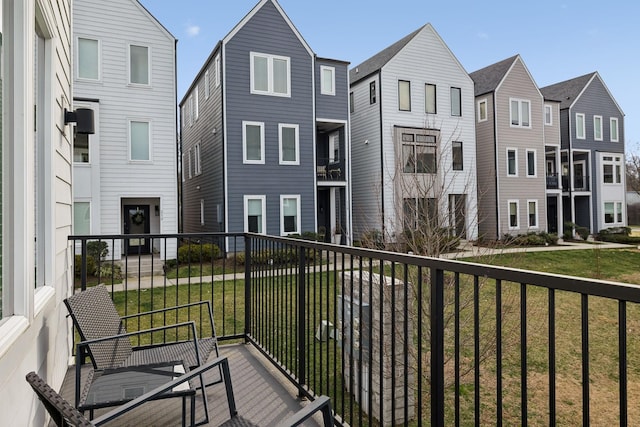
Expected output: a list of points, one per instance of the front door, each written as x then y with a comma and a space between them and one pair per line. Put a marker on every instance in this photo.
136, 221
458, 214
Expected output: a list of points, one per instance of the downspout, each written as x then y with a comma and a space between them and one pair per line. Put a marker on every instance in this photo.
179, 187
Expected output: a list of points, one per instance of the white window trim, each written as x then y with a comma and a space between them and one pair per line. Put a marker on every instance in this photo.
149, 56
244, 143
435, 89
263, 200
77, 67
486, 112
611, 126
517, 203
324, 90
201, 211
196, 103
615, 212
217, 64
148, 121
299, 220
90, 215
520, 103
451, 101
550, 122
190, 168
297, 142
183, 167
515, 150
535, 163
270, 59
595, 137
198, 164
537, 226
408, 82
583, 130
207, 83
190, 110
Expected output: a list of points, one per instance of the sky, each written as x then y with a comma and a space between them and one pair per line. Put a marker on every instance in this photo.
558, 40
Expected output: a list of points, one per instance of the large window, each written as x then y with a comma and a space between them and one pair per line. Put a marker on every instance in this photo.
327, 80
513, 214
512, 162
404, 95
420, 215
482, 110
613, 213
289, 215
613, 129
520, 113
611, 170
532, 212
139, 70
456, 101
419, 153
597, 128
253, 142
580, 126
139, 141
430, 103
458, 164
270, 75
254, 214
531, 163
88, 59
81, 218
289, 144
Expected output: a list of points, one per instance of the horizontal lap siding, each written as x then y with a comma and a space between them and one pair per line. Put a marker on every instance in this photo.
267, 32
334, 107
486, 164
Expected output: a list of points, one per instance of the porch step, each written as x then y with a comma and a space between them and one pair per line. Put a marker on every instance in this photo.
142, 266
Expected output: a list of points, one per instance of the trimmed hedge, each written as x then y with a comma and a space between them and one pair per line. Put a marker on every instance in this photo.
193, 252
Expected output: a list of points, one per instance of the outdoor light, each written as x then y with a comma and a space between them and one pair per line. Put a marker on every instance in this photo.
83, 118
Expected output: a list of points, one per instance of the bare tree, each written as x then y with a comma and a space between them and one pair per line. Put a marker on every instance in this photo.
633, 172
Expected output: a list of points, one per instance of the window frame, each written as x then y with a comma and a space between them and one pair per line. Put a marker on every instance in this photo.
270, 91
548, 108
457, 166
298, 229
245, 160
535, 163
401, 83
201, 211
189, 156
580, 130
414, 145
218, 70
296, 127
520, 103
484, 102
457, 90
75, 230
197, 160
332, 90
515, 162
427, 96
196, 103
263, 211
535, 213
352, 102
598, 128
207, 83
89, 155
149, 145
98, 59
373, 94
616, 127
517, 214
130, 66
617, 208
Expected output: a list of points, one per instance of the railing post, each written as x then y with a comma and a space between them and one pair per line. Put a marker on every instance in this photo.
83, 267
300, 323
247, 288
437, 347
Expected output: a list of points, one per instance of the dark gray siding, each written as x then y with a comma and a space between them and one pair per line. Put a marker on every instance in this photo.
334, 107
267, 32
565, 142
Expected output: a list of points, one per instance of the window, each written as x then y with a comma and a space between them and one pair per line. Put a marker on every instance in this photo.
457, 155
613, 212
139, 138
253, 142
512, 164
183, 167
456, 101
513, 214
532, 211
419, 153
270, 75
190, 110
482, 110
81, 218
430, 104
207, 83
289, 215
372, 92
611, 170
88, 59
327, 80
597, 128
201, 211
80, 148
404, 95
289, 144
580, 131
531, 163
548, 115
613, 129
218, 71
196, 103
352, 103
420, 214
520, 113
189, 159
139, 69
196, 153
619, 212
254, 214
334, 147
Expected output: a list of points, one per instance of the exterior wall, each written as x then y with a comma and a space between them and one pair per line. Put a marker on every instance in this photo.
486, 165
552, 132
268, 32
333, 107
117, 24
426, 59
522, 188
34, 330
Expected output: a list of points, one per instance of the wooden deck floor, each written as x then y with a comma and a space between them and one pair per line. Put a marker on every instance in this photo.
263, 396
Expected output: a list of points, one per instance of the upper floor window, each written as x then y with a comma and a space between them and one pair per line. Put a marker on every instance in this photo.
456, 101
613, 129
334, 147
196, 103
419, 153
88, 59
207, 83
139, 140
190, 110
289, 215
139, 70
352, 103
531, 163
189, 157
611, 170
253, 142
430, 104
327, 80
512, 163
520, 113
580, 126
270, 75
548, 115
457, 155
196, 153
372, 92
482, 110
289, 144
597, 128
404, 95
218, 72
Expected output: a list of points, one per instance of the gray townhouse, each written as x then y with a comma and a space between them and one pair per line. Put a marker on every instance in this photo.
265, 135
592, 152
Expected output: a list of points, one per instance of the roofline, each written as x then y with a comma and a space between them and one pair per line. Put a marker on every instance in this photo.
516, 59
155, 20
596, 74
320, 58
212, 55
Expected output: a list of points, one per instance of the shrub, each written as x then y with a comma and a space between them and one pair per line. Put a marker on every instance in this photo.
109, 272
567, 233
373, 239
583, 232
530, 239
625, 231
77, 265
619, 238
194, 252
170, 263
97, 249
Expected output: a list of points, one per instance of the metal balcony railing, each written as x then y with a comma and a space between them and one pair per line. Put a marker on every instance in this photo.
330, 170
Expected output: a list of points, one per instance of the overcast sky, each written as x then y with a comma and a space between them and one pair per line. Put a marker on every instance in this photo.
557, 40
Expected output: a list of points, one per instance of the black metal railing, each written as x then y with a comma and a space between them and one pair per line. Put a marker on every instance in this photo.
330, 170
397, 339
552, 181
580, 183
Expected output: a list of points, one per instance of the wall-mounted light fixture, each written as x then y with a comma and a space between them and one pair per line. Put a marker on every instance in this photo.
83, 118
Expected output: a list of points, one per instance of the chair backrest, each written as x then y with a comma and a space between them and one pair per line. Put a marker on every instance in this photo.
62, 412
95, 316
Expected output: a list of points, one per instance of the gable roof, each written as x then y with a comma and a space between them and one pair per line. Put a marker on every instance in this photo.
377, 61
488, 79
155, 20
568, 91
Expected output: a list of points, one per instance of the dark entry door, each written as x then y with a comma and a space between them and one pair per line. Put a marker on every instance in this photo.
136, 221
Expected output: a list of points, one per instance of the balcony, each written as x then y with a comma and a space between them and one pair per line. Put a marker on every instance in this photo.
395, 338
580, 183
552, 181
330, 170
